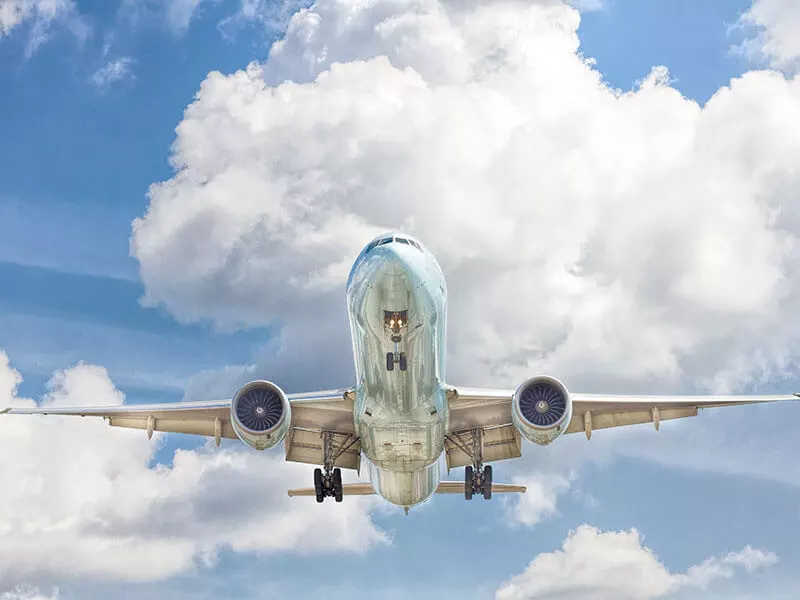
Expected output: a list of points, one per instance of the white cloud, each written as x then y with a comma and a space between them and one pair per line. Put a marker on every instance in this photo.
83, 500
176, 15
180, 13
41, 15
541, 497
612, 239
272, 15
596, 565
113, 72
777, 23
28, 593
724, 567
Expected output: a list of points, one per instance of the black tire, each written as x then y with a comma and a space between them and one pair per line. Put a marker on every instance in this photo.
403, 363
389, 361
318, 485
486, 484
338, 489
469, 482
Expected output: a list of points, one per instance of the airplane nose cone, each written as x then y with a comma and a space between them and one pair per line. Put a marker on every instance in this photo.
394, 265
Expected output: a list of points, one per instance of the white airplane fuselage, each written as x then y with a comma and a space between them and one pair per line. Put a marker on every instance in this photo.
397, 305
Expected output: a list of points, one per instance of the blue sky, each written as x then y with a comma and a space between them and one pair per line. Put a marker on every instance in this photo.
77, 162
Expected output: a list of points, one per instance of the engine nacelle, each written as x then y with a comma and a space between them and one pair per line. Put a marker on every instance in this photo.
261, 414
541, 409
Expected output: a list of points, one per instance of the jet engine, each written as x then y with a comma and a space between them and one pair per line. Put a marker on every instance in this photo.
261, 414
541, 409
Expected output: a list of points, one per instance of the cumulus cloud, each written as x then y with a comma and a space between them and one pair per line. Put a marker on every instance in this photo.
777, 23
83, 500
614, 239
615, 565
41, 16
114, 71
539, 502
272, 15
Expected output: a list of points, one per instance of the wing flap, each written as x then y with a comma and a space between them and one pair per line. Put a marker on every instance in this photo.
604, 420
171, 425
305, 446
334, 414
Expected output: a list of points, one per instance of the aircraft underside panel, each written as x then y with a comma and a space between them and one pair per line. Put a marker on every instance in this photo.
397, 318
307, 446
492, 444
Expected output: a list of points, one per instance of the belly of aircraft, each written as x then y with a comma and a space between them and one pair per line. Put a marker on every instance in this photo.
400, 409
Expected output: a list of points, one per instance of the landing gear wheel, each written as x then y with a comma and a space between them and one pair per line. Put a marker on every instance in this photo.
338, 490
486, 483
469, 482
318, 489
403, 363
390, 361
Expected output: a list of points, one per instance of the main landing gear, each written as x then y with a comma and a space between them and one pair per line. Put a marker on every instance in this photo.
477, 478
328, 484
328, 481
478, 482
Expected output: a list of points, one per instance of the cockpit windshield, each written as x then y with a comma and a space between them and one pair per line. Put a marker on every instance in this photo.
395, 238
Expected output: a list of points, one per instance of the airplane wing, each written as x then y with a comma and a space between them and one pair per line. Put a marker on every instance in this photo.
312, 413
489, 410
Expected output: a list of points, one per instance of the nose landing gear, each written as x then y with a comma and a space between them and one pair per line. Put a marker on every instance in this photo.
396, 357
395, 322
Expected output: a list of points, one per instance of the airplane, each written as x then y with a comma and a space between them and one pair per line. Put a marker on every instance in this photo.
401, 415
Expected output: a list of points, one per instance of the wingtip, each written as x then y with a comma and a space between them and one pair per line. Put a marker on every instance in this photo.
796, 395
5, 410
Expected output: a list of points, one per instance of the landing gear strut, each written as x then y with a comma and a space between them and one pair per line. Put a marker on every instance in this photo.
477, 478
328, 482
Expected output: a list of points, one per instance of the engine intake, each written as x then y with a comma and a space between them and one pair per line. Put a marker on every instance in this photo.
541, 409
261, 414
